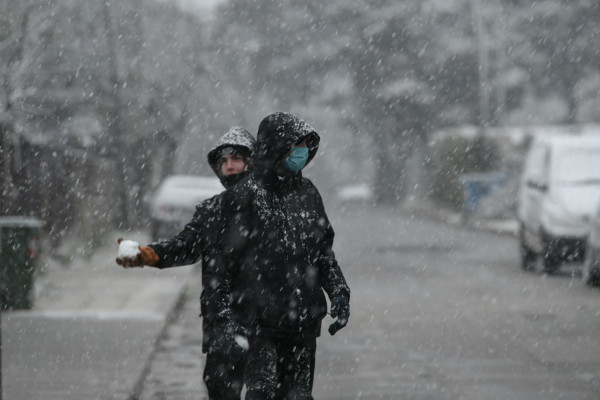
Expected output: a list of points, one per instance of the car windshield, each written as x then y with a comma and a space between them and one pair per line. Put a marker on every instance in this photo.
579, 167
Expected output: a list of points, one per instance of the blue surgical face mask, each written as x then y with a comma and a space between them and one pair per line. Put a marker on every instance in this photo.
296, 160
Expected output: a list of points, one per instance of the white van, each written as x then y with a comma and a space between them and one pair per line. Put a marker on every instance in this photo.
559, 191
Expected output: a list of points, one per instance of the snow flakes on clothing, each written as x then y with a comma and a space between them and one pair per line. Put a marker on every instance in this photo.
276, 135
287, 122
236, 136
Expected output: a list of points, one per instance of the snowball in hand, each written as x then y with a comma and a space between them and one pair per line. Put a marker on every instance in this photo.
242, 342
128, 249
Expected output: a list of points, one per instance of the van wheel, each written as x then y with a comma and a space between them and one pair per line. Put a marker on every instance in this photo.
528, 257
591, 273
551, 264
551, 261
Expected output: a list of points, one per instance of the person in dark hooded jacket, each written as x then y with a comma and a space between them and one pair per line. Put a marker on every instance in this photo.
231, 160
277, 238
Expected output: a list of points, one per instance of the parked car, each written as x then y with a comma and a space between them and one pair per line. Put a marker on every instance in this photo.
174, 202
559, 190
591, 264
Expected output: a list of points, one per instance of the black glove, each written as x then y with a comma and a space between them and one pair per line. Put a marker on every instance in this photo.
340, 309
224, 341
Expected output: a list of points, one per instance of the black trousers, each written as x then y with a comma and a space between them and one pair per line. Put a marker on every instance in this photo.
279, 369
223, 376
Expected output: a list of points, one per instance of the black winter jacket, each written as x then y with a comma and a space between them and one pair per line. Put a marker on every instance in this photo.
197, 241
278, 240
194, 243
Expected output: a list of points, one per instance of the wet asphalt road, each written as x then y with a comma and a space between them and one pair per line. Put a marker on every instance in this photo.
73, 357
438, 312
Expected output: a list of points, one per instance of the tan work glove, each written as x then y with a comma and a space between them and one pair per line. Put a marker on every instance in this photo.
133, 255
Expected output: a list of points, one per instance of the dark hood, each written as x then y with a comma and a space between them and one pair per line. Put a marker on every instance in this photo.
276, 135
243, 143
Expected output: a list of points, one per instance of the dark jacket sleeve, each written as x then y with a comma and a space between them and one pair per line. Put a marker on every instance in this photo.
330, 274
216, 290
188, 245
229, 245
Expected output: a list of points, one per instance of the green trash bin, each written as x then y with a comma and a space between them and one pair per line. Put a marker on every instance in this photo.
19, 250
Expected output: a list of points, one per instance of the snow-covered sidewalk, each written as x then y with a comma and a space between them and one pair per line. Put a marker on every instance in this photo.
92, 318
97, 285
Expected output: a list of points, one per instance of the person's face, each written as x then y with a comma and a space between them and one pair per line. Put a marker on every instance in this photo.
231, 164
